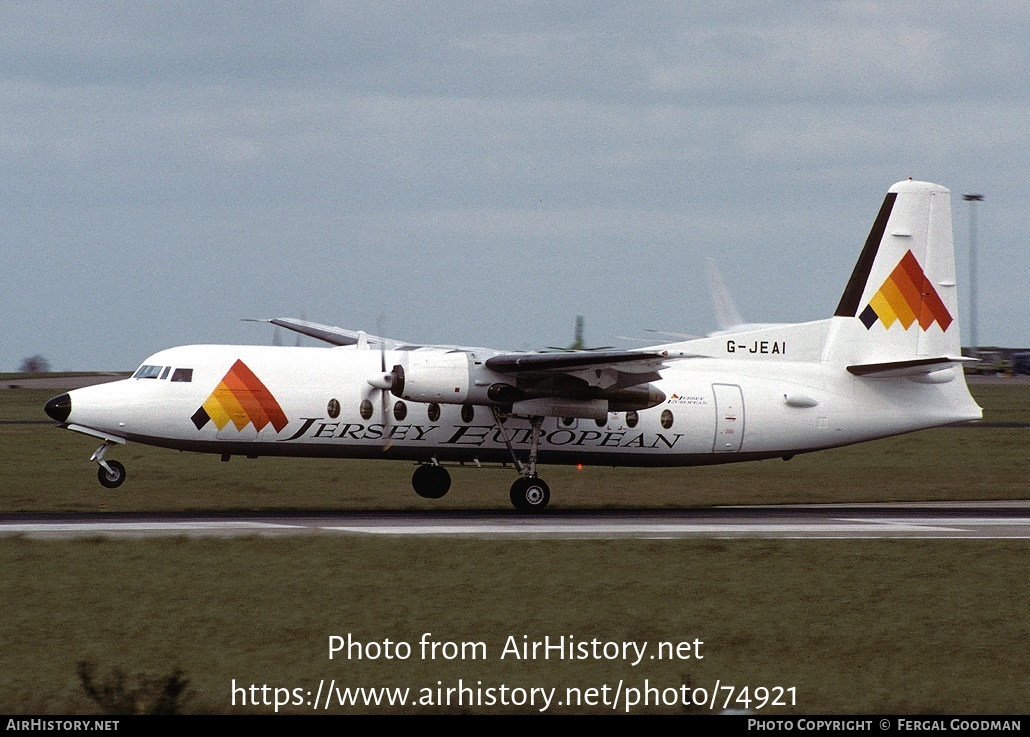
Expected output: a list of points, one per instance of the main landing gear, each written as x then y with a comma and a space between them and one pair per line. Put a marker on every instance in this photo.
110, 473
431, 481
529, 493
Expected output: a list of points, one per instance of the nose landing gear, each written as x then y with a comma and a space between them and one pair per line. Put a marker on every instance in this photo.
111, 474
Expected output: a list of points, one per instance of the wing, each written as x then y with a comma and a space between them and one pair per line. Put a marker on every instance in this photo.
641, 361
583, 383
332, 334
602, 369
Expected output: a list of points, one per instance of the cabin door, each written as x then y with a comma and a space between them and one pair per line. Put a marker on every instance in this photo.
729, 418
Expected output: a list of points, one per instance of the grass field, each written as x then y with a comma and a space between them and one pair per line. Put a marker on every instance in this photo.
904, 626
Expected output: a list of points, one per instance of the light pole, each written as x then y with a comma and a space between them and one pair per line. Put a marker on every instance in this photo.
972, 199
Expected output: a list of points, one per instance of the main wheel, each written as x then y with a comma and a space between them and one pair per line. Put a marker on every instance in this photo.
114, 478
529, 494
431, 482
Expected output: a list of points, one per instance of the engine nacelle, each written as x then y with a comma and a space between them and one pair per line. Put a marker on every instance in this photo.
433, 376
634, 397
593, 409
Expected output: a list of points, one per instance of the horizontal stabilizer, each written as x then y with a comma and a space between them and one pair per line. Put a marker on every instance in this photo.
892, 369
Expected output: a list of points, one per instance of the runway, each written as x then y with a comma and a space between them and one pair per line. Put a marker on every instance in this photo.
929, 520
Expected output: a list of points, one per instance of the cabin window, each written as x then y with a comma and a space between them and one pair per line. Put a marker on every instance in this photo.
468, 413
147, 372
400, 411
667, 419
182, 374
601, 423
333, 408
632, 418
568, 422
365, 409
433, 410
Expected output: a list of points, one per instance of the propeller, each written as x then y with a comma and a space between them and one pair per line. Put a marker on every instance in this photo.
384, 381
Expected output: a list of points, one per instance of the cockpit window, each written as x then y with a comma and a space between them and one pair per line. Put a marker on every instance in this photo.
147, 372
182, 374
164, 374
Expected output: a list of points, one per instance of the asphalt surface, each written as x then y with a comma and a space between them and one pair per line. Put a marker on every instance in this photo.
942, 520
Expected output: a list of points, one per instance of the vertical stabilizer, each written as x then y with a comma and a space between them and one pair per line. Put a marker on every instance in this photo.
901, 301
727, 316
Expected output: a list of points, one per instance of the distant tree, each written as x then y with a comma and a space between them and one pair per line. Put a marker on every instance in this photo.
35, 365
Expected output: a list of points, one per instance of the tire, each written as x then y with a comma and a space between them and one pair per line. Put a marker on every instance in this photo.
530, 494
431, 482
111, 480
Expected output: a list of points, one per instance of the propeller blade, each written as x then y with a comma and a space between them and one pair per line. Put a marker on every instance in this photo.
389, 441
382, 381
386, 384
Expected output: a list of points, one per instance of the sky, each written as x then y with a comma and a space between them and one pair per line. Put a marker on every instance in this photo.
481, 173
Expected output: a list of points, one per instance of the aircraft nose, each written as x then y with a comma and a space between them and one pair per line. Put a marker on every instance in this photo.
59, 407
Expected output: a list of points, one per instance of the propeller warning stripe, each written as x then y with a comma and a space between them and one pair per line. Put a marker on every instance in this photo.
907, 296
241, 398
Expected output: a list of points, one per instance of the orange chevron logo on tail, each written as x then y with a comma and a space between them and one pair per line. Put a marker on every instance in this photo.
907, 296
240, 398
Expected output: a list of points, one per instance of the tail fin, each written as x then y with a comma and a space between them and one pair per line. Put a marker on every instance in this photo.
727, 316
901, 304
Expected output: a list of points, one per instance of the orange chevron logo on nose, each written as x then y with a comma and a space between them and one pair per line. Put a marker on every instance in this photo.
906, 296
240, 398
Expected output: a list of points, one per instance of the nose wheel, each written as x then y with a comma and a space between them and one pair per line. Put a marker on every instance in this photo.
111, 473
529, 494
112, 476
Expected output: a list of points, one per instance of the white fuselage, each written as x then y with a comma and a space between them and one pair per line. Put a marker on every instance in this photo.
745, 402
